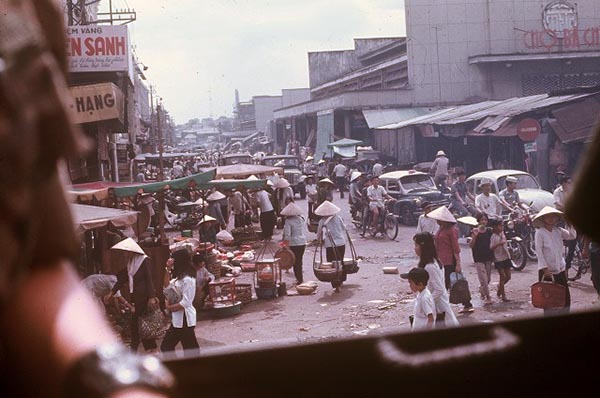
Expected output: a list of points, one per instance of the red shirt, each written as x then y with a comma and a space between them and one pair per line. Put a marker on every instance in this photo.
446, 243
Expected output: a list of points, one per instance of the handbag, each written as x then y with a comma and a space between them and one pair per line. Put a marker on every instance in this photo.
550, 294
151, 325
459, 288
171, 294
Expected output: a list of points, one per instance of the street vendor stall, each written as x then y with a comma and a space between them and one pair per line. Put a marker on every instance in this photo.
100, 228
246, 170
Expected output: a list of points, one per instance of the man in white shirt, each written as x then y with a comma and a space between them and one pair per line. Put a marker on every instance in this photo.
439, 169
489, 203
340, 177
377, 169
560, 195
267, 214
376, 195
426, 224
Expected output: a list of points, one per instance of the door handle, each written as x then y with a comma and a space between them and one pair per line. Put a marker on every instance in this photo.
500, 340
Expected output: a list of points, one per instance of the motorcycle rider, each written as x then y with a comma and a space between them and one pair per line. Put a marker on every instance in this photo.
510, 195
489, 203
460, 193
376, 194
439, 169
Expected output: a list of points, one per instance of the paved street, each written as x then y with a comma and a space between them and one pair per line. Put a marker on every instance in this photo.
370, 302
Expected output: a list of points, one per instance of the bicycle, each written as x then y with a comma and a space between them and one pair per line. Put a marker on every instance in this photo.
579, 265
387, 225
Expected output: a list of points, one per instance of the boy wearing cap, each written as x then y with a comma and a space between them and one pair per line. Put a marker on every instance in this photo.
424, 305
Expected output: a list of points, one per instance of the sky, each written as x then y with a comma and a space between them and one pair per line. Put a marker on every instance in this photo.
199, 51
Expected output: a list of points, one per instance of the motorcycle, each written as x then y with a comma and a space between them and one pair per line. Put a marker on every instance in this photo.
522, 224
516, 245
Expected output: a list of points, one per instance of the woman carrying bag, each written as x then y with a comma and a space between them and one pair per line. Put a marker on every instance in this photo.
183, 313
332, 234
138, 275
549, 249
293, 234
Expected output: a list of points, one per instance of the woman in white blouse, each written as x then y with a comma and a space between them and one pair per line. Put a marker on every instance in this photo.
549, 248
332, 233
293, 234
183, 313
425, 249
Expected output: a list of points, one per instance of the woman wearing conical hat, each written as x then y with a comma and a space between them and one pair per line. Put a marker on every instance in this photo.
325, 191
138, 275
549, 248
293, 234
332, 233
214, 208
446, 242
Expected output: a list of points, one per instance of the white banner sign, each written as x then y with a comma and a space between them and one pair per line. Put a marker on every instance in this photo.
98, 48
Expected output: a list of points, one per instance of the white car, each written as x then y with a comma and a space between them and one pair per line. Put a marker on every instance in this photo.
528, 187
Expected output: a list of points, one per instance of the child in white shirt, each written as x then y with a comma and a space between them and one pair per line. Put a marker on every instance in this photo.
423, 317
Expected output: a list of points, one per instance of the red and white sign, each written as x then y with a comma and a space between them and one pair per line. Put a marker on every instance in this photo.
98, 48
528, 129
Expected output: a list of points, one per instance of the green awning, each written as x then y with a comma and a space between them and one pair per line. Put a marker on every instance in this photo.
345, 142
179, 183
233, 184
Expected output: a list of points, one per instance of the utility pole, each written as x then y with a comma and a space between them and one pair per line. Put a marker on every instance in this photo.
161, 195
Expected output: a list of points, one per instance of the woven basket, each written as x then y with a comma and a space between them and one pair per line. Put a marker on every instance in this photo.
215, 269
243, 292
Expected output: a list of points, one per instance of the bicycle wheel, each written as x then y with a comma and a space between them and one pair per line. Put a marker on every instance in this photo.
390, 226
366, 220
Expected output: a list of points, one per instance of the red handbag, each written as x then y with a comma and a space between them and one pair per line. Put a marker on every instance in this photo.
546, 294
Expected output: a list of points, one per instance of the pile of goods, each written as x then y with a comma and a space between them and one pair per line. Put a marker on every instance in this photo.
307, 288
244, 234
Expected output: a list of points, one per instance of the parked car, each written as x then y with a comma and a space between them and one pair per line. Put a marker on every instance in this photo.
528, 187
411, 188
291, 170
237, 158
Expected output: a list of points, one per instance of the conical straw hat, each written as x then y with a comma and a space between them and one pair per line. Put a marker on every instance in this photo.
327, 209
291, 210
128, 245
206, 219
282, 183
545, 211
468, 220
355, 175
253, 178
201, 202
442, 214
327, 180
215, 196
309, 158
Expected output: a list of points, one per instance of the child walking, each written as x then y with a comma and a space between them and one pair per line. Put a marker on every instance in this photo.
424, 316
502, 260
483, 256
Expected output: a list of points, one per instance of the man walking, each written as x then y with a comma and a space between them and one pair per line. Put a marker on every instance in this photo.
340, 177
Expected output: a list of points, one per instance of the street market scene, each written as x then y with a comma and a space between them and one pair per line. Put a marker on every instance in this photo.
423, 195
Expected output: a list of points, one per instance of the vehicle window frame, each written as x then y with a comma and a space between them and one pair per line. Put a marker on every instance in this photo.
398, 185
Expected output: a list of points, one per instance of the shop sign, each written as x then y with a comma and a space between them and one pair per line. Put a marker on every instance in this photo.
528, 129
559, 17
96, 102
530, 147
98, 48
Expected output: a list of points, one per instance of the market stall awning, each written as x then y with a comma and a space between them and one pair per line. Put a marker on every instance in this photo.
383, 117
179, 183
94, 190
345, 142
241, 170
166, 156
91, 217
226, 184
491, 117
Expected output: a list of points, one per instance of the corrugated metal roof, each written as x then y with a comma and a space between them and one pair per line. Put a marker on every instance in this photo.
493, 114
382, 117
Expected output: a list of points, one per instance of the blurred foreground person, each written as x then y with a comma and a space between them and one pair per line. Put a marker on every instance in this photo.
54, 338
